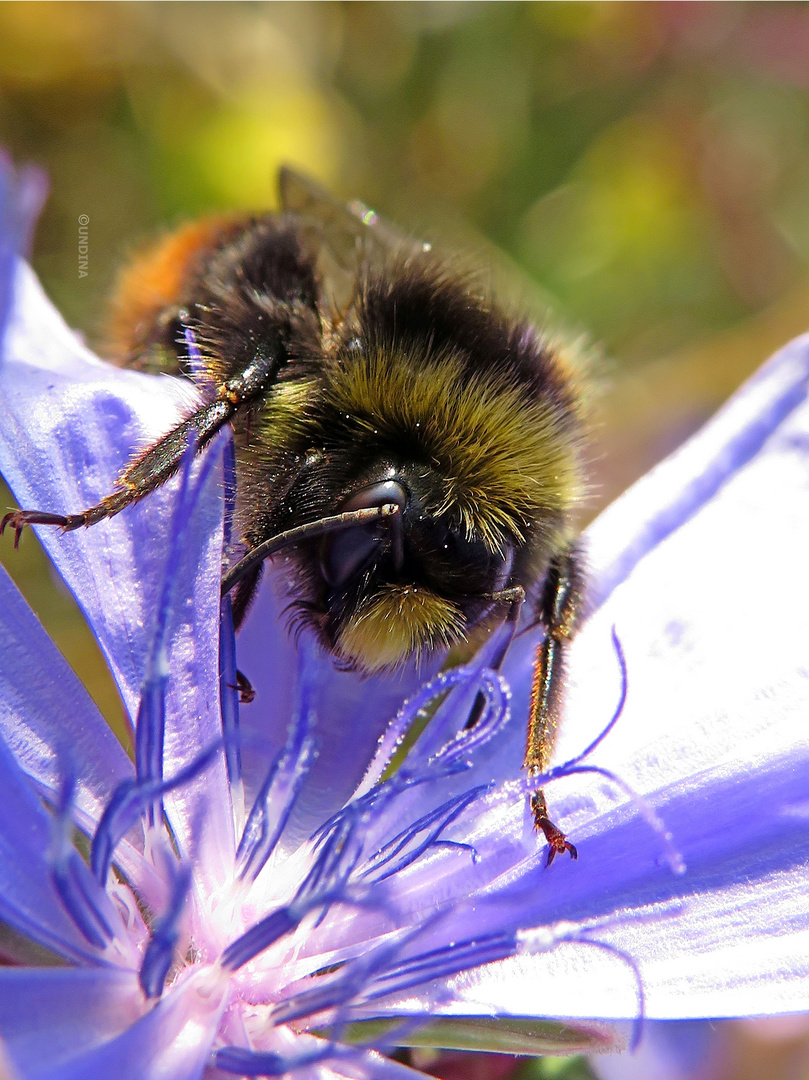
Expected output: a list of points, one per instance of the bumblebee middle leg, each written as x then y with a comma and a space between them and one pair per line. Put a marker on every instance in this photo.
514, 597
559, 607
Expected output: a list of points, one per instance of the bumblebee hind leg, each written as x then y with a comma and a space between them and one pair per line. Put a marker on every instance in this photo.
559, 608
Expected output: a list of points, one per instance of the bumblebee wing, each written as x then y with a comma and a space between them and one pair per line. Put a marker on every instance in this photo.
350, 237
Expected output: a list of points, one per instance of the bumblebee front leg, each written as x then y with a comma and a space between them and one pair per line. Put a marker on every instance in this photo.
159, 462
559, 607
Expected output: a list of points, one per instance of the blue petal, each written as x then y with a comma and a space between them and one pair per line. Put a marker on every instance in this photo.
68, 428
351, 713
172, 1041
678, 1050
28, 901
193, 716
714, 620
70, 424
50, 1016
667, 497
46, 716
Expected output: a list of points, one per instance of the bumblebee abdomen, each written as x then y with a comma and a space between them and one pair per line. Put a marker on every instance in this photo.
141, 328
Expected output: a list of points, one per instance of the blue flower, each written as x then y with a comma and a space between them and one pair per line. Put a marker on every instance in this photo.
258, 896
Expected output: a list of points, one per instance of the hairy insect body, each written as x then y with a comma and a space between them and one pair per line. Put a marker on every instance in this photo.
421, 447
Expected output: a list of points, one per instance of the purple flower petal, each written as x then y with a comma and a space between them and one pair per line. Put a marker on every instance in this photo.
47, 718
666, 498
78, 1008
71, 424
28, 900
352, 712
714, 621
172, 1040
193, 719
680, 1050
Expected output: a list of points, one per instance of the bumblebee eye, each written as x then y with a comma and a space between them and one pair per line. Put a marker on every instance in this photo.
343, 554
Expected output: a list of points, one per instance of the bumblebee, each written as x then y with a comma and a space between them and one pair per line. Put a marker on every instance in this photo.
414, 451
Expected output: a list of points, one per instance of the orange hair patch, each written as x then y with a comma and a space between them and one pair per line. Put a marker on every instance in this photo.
154, 282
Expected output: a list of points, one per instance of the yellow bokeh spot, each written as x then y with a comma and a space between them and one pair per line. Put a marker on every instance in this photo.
240, 148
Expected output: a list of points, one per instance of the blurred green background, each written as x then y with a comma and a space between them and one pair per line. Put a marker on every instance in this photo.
640, 172
641, 169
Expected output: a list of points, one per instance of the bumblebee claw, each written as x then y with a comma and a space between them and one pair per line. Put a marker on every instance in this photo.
14, 519
558, 843
21, 519
7, 521
553, 850
245, 688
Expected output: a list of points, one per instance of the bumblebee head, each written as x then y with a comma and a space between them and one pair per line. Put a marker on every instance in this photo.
408, 584
430, 400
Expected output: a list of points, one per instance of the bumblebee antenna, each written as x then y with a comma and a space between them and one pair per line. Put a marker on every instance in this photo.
347, 520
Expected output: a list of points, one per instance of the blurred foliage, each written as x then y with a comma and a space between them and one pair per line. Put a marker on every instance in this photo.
644, 168
469, 1065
